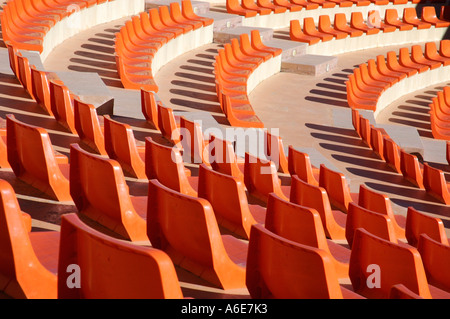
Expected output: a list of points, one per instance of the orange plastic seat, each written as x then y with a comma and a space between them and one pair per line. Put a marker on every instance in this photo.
418, 223
41, 88
227, 196
325, 26
303, 225
418, 56
275, 151
435, 183
168, 123
310, 272
310, 29
394, 64
34, 161
188, 13
89, 127
391, 153
337, 188
340, 24
429, 15
134, 271
29, 260
297, 34
374, 20
316, 197
385, 80
177, 16
100, 193
253, 5
395, 263
238, 118
166, 164
385, 70
292, 7
357, 22
149, 107
391, 18
191, 237
223, 159
376, 141
121, 145
381, 203
257, 44
410, 17
261, 178
411, 168
299, 164
435, 258
308, 5
61, 102
24, 73
354, 100
432, 53
235, 7
247, 48
375, 223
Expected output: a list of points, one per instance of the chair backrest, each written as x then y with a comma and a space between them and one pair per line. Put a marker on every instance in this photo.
377, 264
435, 258
192, 142
435, 183
100, 192
275, 151
22, 275
24, 73
32, 158
110, 268
223, 158
418, 223
167, 124
261, 177
88, 126
186, 228
149, 107
316, 197
391, 154
165, 164
299, 163
338, 190
307, 273
61, 102
121, 146
375, 223
41, 89
411, 169
228, 198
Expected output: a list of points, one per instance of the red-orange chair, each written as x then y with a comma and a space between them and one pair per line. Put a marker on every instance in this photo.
34, 161
29, 260
325, 26
394, 65
391, 153
410, 17
223, 159
271, 5
432, 53
411, 168
149, 107
296, 33
235, 7
188, 13
261, 178
316, 197
227, 196
193, 142
357, 22
252, 5
257, 44
180, 19
41, 88
3, 151
303, 225
418, 56
340, 24
375, 223
185, 228
310, 272
247, 48
133, 271
61, 102
310, 29
89, 126
121, 145
376, 141
435, 183
299, 164
166, 164
168, 124
374, 20
385, 70
418, 223
392, 263
338, 190
406, 61
275, 151
391, 18
100, 193
435, 258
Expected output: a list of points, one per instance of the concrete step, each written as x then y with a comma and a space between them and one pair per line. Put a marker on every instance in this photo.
226, 35
223, 21
309, 64
291, 49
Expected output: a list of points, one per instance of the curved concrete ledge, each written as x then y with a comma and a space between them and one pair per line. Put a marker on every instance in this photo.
282, 20
83, 19
263, 72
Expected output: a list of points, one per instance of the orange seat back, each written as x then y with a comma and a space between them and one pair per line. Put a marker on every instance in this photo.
307, 273
100, 192
418, 223
133, 271
32, 158
61, 103
186, 228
